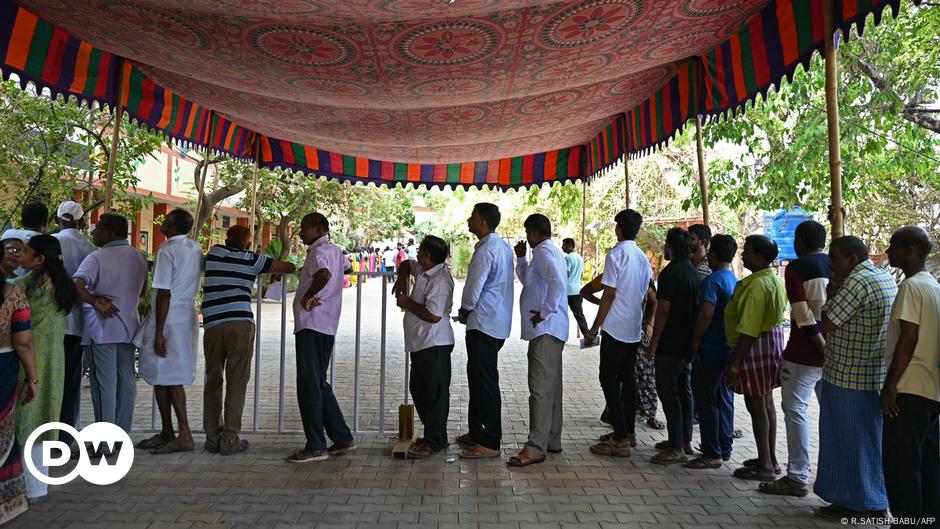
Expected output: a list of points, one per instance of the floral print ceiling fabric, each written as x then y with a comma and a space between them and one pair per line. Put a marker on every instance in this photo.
418, 81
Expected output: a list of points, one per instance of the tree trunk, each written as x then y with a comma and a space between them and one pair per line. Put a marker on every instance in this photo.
283, 233
208, 201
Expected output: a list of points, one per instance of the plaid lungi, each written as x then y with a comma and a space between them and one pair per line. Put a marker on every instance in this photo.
850, 466
760, 370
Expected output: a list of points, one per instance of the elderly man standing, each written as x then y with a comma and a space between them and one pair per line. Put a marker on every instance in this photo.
75, 248
543, 307
910, 397
110, 281
169, 363
317, 306
855, 322
229, 334
626, 279
486, 309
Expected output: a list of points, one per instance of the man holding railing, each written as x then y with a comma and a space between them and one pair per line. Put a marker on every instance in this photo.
486, 309
317, 306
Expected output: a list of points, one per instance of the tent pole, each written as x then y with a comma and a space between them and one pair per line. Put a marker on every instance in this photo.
115, 136
254, 194
626, 179
197, 228
583, 213
832, 118
702, 183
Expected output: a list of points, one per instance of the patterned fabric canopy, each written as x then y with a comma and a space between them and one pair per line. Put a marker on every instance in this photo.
460, 92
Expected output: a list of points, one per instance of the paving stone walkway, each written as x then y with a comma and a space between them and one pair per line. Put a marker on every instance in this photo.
371, 490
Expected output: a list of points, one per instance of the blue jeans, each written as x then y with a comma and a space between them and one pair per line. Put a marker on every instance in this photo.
798, 383
318, 407
714, 402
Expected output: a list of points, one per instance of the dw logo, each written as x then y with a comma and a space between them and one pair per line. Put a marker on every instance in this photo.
101, 439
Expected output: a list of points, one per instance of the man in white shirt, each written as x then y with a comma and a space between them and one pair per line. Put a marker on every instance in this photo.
543, 306
388, 259
75, 248
430, 340
169, 363
486, 309
910, 397
627, 276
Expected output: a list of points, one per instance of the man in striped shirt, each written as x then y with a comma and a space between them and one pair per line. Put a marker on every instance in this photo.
228, 342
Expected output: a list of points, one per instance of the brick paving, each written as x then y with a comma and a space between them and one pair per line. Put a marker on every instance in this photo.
370, 489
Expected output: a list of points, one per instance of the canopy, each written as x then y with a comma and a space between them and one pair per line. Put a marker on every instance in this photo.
461, 92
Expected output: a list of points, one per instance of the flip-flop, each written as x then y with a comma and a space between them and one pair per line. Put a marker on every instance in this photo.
152, 442
171, 448
701, 463
524, 459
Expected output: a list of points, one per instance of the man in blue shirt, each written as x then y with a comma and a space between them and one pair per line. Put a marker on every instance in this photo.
575, 264
486, 309
714, 400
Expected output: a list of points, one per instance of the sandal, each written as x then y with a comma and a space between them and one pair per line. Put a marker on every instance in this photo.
171, 448
701, 463
655, 423
479, 452
465, 441
752, 474
784, 487
608, 436
155, 441
754, 462
668, 457
420, 450
667, 445
525, 458
612, 447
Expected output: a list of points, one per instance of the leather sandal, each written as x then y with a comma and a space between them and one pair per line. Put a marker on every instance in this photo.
479, 452
784, 487
525, 458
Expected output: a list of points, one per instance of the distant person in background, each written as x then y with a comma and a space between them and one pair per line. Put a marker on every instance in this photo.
75, 248
110, 281
429, 338
910, 397
35, 218
229, 334
388, 259
401, 256
574, 270
411, 250
51, 296
170, 364
754, 328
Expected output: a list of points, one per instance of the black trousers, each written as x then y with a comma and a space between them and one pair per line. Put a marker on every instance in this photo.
618, 381
318, 407
430, 389
72, 386
673, 385
575, 303
485, 409
911, 455
714, 401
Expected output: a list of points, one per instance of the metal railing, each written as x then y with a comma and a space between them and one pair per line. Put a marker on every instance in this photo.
259, 350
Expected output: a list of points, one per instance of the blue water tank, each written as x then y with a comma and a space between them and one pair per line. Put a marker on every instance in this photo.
780, 226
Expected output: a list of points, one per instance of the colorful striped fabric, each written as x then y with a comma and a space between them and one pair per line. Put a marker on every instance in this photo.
768, 48
522, 171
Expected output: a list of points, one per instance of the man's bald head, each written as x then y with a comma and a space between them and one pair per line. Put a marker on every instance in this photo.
913, 237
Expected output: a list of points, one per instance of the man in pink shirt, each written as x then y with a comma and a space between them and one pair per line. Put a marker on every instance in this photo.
317, 306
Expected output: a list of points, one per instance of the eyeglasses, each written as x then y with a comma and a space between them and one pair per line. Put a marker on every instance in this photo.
13, 250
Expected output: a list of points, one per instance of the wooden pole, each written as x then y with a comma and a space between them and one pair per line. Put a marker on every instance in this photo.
254, 193
832, 118
702, 183
197, 229
583, 213
115, 136
626, 180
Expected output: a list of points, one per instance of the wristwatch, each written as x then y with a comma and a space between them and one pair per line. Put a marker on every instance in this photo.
33, 381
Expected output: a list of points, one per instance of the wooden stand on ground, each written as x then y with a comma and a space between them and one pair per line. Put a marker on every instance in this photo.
406, 430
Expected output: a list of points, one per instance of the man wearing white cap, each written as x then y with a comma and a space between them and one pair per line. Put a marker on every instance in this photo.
75, 247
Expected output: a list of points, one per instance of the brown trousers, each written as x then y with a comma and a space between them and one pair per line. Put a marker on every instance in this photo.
228, 348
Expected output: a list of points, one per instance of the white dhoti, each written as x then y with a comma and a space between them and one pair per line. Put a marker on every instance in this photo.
178, 367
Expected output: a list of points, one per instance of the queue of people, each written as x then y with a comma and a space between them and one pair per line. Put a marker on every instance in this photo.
689, 338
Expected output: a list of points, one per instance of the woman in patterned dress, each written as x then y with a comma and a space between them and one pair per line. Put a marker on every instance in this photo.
51, 295
16, 347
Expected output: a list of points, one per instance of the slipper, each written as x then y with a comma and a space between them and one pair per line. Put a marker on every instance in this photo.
479, 452
755, 462
150, 443
701, 463
752, 474
668, 457
171, 448
784, 487
524, 459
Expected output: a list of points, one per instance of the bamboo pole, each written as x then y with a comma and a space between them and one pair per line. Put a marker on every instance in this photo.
115, 136
197, 228
583, 213
832, 118
254, 193
626, 179
702, 183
